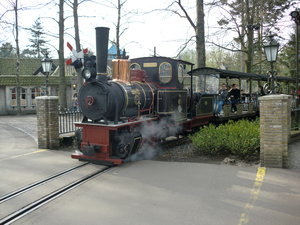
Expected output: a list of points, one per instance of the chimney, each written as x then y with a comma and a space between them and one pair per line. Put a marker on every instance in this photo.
102, 34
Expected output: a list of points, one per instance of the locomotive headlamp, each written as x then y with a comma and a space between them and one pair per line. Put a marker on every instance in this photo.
89, 70
86, 74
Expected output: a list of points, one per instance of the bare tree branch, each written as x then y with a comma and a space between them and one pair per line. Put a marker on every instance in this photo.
225, 48
183, 46
186, 14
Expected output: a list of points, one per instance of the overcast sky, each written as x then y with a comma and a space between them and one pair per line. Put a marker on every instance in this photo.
166, 31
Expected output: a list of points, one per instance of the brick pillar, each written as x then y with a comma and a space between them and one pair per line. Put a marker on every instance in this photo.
47, 122
275, 127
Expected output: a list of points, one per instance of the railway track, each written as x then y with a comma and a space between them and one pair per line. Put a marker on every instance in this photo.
21, 202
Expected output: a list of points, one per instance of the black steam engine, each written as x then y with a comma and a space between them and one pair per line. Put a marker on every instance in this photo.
139, 93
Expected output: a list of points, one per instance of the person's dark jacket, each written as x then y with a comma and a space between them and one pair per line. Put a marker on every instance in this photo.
236, 93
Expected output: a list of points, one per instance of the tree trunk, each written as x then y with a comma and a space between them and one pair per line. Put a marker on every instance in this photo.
77, 41
200, 35
242, 39
250, 16
118, 30
62, 86
18, 60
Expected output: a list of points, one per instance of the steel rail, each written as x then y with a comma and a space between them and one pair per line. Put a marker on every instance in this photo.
44, 200
36, 184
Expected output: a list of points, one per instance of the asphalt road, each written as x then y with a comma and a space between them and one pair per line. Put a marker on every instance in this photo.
151, 192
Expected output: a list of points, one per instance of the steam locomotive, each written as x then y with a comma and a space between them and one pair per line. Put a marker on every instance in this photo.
120, 111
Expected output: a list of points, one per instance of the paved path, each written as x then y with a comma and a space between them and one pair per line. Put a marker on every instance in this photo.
21, 162
24, 123
150, 192
160, 193
294, 155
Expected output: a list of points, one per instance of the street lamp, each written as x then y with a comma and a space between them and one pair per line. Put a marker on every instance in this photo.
271, 52
47, 65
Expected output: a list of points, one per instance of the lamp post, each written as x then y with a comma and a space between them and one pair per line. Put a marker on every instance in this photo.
47, 65
296, 17
271, 52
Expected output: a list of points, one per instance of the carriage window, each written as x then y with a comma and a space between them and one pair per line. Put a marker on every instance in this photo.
196, 83
135, 66
245, 86
212, 84
180, 73
255, 87
165, 72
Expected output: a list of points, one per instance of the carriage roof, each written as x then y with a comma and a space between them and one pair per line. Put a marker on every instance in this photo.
235, 74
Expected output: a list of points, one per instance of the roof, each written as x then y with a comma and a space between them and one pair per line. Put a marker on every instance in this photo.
28, 66
113, 50
235, 74
161, 57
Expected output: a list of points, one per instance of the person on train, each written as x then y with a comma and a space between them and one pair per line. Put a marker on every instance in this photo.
223, 94
235, 95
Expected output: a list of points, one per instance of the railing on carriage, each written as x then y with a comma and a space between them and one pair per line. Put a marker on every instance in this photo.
67, 118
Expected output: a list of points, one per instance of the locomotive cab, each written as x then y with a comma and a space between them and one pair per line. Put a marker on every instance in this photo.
163, 72
167, 75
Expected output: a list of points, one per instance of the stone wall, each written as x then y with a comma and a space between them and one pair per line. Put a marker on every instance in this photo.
275, 127
47, 122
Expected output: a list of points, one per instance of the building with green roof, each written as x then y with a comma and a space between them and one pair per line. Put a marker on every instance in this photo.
32, 83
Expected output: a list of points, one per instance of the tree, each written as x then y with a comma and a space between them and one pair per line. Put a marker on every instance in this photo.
219, 58
15, 6
122, 21
74, 5
62, 83
7, 50
188, 55
245, 17
27, 53
37, 40
286, 58
179, 9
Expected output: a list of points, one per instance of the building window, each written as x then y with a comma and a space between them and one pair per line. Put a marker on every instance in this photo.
35, 92
165, 72
23, 97
23, 100
13, 94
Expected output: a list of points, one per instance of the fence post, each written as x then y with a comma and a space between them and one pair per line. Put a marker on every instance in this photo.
47, 122
275, 129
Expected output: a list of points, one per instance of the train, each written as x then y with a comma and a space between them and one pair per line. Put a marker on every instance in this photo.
146, 100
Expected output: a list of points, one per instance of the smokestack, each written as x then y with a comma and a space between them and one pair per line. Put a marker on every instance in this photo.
102, 34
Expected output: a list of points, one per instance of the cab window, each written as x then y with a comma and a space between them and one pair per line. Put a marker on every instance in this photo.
180, 73
165, 72
135, 66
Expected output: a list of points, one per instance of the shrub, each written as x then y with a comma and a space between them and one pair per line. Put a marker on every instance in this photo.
235, 138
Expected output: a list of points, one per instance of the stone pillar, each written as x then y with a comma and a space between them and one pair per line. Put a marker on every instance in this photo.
275, 127
47, 122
